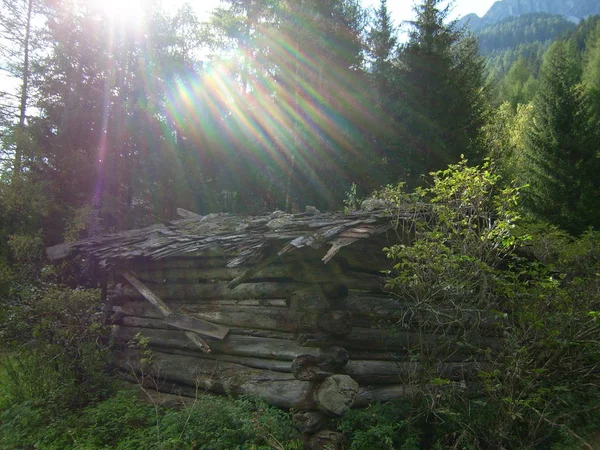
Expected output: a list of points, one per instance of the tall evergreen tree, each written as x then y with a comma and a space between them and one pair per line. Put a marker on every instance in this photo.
19, 39
591, 74
303, 111
386, 134
518, 86
560, 153
444, 90
383, 42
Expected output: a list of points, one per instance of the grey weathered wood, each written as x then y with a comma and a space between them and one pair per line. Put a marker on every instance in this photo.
335, 357
338, 322
309, 368
309, 422
202, 292
248, 361
146, 293
174, 319
196, 325
260, 317
243, 239
336, 394
209, 274
185, 214
153, 323
392, 339
256, 347
380, 394
198, 341
276, 388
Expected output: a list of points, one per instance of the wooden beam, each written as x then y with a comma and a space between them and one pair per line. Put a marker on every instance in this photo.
180, 321
146, 292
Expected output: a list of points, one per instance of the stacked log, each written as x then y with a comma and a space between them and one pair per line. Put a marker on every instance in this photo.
316, 338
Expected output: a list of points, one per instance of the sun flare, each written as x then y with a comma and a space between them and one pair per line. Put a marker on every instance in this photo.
124, 11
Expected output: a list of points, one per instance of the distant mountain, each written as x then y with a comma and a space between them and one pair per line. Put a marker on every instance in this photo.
527, 36
524, 29
574, 10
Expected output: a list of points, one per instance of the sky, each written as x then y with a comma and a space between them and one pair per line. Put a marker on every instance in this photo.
400, 9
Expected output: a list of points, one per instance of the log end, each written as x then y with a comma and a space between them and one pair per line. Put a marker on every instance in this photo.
327, 439
336, 394
336, 357
309, 422
336, 322
309, 368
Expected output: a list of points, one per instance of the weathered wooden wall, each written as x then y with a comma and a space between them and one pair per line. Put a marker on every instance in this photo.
302, 334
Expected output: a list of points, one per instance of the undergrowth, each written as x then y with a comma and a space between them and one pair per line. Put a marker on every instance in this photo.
123, 421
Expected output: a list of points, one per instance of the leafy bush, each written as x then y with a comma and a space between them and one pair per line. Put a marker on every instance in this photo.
472, 260
382, 427
56, 349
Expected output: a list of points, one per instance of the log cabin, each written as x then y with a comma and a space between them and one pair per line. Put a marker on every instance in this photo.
290, 308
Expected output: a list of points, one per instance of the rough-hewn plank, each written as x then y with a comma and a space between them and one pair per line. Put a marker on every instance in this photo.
242, 239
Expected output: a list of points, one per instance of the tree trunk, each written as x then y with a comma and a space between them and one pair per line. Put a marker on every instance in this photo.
18, 160
276, 388
201, 292
256, 347
336, 394
266, 318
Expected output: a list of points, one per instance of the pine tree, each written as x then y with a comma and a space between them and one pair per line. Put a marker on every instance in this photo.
560, 154
518, 86
383, 44
444, 90
591, 74
17, 44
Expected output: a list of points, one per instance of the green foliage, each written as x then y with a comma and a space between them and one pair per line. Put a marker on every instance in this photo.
352, 201
124, 422
472, 258
444, 91
505, 139
561, 157
521, 29
56, 346
519, 85
382, 427
470, 236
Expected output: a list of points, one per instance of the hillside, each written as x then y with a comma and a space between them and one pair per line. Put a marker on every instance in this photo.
525, 29
527, 36
574, 10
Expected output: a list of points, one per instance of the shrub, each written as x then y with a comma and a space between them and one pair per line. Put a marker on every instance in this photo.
56, 349
471, 258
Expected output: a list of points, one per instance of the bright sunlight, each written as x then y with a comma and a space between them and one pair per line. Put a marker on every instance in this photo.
129, 12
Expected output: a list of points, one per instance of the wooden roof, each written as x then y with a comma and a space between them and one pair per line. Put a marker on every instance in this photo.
241, 239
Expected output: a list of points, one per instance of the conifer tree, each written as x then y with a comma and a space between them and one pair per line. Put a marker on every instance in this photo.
383, 43
591, 74
17, 45
444, 90
518, 86
560, 153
